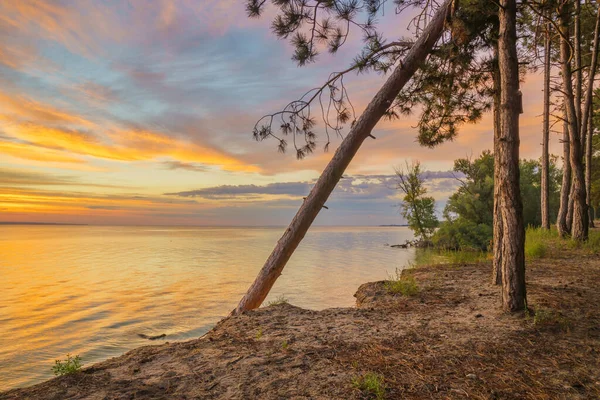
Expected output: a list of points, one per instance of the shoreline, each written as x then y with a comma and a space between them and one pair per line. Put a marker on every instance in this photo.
450, 340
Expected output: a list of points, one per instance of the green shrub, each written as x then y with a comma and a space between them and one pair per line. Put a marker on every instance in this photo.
66, 367
371, 384
535, 250
461, 234
405, 285
593, 243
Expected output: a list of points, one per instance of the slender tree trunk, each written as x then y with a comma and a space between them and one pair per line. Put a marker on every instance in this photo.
565, 187
587, 118
514, 296
578, 70
545, 206
588, 170
498, 231
579, 228
342, 157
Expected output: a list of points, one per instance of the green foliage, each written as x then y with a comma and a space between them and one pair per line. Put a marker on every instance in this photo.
403, 284
259, 334
371, 384
538, 241
469, 211
535, 249
66, 367
279, 300
591, 245
285, 345
416, 208
462, 234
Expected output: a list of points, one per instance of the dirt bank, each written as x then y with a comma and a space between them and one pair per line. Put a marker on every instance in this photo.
450, 341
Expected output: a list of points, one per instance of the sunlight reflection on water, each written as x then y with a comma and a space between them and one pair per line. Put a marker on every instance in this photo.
91, 290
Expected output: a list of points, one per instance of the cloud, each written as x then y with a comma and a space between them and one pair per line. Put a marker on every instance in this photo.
354, 188
186, 166
234, 191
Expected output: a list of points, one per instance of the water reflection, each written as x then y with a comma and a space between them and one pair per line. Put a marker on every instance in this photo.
91, 290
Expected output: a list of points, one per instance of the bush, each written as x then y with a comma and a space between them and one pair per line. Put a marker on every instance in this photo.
461, 234
66, 367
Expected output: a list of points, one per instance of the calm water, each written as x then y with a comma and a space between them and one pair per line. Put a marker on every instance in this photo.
90, 290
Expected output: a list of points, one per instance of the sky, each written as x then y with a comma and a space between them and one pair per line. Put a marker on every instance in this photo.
141, 113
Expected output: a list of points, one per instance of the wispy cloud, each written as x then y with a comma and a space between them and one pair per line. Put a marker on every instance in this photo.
171, 165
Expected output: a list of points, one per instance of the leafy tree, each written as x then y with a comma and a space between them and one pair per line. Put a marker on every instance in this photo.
416, 208
469, 211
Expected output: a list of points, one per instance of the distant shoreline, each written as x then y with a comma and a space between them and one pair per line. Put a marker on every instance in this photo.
39, 223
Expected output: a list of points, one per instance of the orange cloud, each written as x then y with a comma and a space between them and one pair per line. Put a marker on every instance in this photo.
19, 108
60, 145
35, 153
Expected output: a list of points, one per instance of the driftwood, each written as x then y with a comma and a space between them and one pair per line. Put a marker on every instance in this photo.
315, 201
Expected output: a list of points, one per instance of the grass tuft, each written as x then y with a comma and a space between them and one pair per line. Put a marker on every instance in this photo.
371, 384
403, 284
279, 300
545, 317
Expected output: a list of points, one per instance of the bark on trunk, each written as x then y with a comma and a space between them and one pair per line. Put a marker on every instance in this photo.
545, 206
578, 72
588, 170
343, 155
587, 119
498, 231
514, 297
565, 187
579, 227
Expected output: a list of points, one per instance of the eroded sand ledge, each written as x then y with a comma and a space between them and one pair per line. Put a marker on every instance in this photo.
449, 341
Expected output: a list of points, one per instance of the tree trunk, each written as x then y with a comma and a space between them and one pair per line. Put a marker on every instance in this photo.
587, 118
565, 187
578, 71
498, 231
579, 228
588, 170
545, 206
343, 155
514, 296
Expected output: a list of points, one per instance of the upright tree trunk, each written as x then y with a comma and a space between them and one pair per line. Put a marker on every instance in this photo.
514, 296
578, 71
565, 187
587, 119
498, 231
545, 206
343, 155
588, 171
579, 228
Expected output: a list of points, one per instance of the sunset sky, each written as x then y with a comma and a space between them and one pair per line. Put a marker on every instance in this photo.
141, 112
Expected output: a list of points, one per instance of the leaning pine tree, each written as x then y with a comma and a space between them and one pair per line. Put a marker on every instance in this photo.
452, 87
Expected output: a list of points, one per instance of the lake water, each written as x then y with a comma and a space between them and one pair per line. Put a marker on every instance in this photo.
90, 290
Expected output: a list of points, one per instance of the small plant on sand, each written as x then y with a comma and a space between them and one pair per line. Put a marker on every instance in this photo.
370, 384
544, 317
66, 367
279, 300
285, 345
402, 284
259, 333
